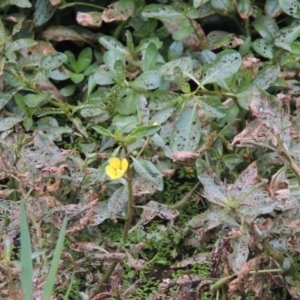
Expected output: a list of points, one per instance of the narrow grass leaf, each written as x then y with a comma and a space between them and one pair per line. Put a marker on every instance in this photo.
55, 262
26, 262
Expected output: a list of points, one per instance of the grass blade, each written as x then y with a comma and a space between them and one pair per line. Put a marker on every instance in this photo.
26, 262
55, 261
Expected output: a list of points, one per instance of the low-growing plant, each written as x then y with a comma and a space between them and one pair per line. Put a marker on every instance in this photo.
206, 90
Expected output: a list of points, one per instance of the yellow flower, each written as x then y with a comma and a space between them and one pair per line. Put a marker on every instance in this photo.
116, 168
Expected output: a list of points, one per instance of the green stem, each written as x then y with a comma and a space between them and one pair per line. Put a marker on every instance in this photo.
180, 204
128, 221
119, 29
66, 108
81, 4
130, 207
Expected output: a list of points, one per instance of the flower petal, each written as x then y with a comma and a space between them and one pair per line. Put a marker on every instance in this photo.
115, 163
111, 172
119, 174
124, 165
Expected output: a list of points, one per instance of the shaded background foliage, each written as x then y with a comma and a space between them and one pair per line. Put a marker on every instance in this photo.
204, 91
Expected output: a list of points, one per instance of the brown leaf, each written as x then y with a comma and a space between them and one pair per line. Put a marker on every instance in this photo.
251, 64
42, 47
195, 259
154, 209
184, 156
61, 33
236, 284
55, 2
137, 264
89, 19
86, 248
195, 42
117, 12
47, 86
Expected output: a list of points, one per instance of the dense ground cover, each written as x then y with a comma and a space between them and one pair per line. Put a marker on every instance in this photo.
149, 149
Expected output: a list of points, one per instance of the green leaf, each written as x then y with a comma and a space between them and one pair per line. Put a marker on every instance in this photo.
212, 192
264, 47
84, 59
266, 76
120, 72
218, 38
51, 62
175, 50
111, 56
197, 3
174, 20
272, 8
143, 110
187, 131
150, 58
244, 97
103, 77
185, 63
291, 7
117, 203
20, 102
226, 64
5, 97
295, 47
183, 31
179, 80
127, 105
211, 105
161, 116
44, 10
20, 3
103, 131
149, 80
28, 123
129, 41
80, 127
3, 36
160, 11
111, 43
71, 61
239, 255
148, 172
76, 78
244, 8
68, 90
20, 44
223, 6
26, 261
55, 262
288, 34
8, 123
158, 141
266, 27
34, 100
143, 131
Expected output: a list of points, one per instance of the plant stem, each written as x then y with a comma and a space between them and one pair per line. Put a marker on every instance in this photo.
130, 206
119, 29
180, 204
128, 221
81, 4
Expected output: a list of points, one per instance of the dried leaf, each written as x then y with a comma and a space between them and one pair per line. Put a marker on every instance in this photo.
137, 264
184, 156
89, 19
118, 11
154, 209
195, 259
